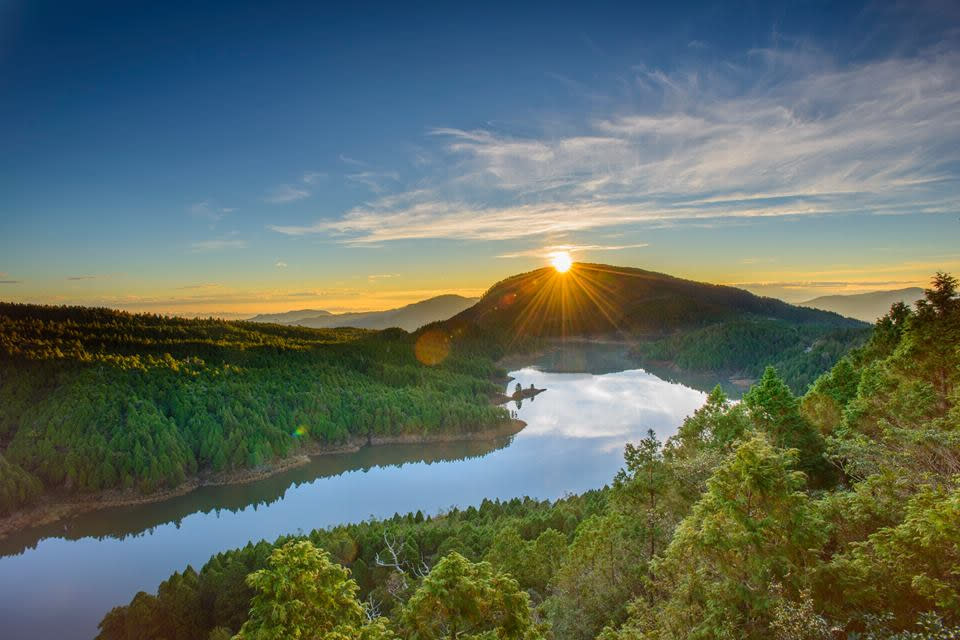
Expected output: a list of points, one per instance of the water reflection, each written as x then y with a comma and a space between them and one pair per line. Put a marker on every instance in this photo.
60, 583
121, 522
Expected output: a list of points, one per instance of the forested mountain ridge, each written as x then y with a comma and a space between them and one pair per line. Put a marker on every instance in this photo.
834, 515
96, 399
409, 317
598, 299
692, 326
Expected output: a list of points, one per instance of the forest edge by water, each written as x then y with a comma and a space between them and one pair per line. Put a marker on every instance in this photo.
53, 508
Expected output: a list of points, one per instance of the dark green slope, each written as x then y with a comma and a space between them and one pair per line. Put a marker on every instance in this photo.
672, 324
596, 299
95, 399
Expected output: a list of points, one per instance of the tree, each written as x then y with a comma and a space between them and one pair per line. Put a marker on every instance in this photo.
775, 411
303, 595
904, 569
604, 570
640, 489
754, 527
532, 562
461, 599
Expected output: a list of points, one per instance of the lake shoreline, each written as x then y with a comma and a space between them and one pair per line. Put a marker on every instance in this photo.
52, 509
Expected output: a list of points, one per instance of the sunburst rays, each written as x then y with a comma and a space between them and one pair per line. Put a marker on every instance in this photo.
568, 303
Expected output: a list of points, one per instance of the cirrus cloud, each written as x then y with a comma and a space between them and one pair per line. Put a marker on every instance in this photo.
775, 133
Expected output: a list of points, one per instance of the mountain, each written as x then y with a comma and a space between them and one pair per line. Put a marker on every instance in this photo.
409, 317
289, 317
596, 299
671, 324
865, 306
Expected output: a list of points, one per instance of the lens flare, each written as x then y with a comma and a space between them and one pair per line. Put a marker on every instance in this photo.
561, 261
432, 347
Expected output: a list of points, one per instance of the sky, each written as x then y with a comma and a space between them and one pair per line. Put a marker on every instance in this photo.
234, 158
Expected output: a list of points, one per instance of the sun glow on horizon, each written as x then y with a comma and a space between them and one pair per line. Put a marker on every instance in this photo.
561, 261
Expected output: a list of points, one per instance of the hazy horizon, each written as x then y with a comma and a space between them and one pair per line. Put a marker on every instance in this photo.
319, 304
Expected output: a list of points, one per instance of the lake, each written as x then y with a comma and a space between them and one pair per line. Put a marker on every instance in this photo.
58, 581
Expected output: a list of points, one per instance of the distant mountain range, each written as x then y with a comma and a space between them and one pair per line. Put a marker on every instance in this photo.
289, 317
865, 306
409, 317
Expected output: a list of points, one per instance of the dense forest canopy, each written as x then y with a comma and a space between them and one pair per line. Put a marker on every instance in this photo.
97, 399
831, 515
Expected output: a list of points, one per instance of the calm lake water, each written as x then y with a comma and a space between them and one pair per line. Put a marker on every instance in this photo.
59, 581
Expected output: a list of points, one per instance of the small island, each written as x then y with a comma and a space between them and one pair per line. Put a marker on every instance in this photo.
519, 394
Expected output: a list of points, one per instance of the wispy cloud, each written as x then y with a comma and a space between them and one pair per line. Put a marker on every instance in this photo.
352, 161
376, 181
382, 276
280, 264
312, 177
81, 277
227, 241
774, 133
209, 210
286, 193
206, 285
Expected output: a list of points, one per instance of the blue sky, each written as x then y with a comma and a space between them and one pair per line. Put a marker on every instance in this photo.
231, 158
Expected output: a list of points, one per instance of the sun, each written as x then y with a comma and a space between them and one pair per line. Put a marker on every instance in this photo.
561, 261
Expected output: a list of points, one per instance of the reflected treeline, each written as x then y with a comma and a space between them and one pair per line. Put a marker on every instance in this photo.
122, 522
700, 381
582, 356
598, 358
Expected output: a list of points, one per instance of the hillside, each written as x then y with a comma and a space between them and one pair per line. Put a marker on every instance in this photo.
834, 516
670, 323
865, 306
94, 399
596, 299
409, 317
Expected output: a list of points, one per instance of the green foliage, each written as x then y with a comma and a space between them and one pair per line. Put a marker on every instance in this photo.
823, 404
18, 488
302, 594
754, 526
532, 562
717, 424
716, 534
775, 411
96, 399
225, 597
745, 346
909, 567
461, 599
